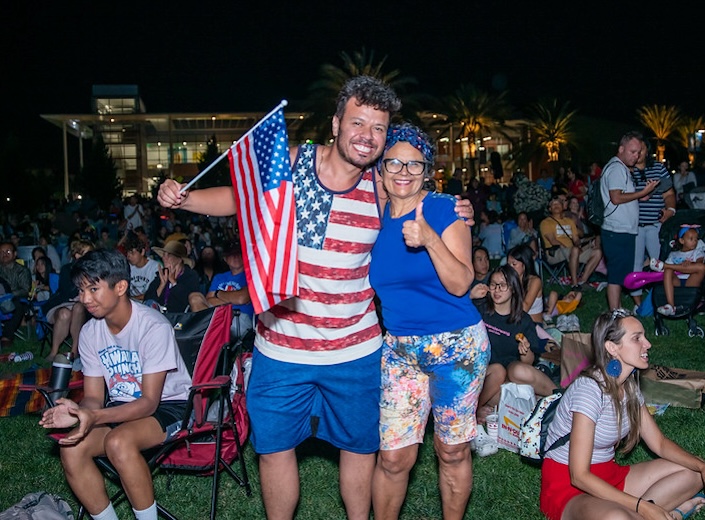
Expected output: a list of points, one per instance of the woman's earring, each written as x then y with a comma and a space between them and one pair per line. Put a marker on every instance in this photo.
614, 368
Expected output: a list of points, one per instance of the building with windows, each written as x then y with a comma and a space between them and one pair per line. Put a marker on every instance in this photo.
147, 146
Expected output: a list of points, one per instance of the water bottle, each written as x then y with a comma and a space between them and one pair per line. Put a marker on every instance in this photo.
60, 372
60, 376
27, 356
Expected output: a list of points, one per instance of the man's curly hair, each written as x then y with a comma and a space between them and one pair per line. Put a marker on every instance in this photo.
368, 91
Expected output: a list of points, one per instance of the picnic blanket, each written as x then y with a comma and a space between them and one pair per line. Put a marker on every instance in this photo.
17, 395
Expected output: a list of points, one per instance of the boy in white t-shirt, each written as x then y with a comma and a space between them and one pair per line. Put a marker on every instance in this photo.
131, 349
142, 269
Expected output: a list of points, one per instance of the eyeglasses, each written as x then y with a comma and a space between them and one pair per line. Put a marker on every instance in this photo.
501, 286
414, 168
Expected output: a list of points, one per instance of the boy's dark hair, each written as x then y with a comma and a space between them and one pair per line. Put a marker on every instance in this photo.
133, 241
101, 264
480, 248
368, 91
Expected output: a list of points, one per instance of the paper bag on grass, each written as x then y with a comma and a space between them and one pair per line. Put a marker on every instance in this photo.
674, 386
576, 355
514, 403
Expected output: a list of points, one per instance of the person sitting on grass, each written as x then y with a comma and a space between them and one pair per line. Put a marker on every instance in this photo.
603, 407
563, 305
521, 259
514, 341
481, 266
683, 267
129, 348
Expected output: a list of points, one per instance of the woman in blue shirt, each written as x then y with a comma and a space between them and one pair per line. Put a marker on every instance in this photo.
436, 349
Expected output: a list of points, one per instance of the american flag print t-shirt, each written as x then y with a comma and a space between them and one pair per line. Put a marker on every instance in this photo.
333, 320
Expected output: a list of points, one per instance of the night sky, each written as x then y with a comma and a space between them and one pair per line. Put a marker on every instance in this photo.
223, 56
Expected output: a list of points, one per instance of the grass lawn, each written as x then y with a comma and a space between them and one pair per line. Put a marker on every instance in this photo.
504, 487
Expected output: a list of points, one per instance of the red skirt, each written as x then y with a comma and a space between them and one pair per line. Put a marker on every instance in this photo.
557, 491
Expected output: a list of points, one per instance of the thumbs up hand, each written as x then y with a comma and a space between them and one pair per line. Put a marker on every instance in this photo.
417, 232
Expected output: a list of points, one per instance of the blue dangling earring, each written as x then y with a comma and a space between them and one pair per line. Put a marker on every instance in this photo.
614, 368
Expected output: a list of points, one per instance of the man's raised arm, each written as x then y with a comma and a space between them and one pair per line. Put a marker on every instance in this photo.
218, 202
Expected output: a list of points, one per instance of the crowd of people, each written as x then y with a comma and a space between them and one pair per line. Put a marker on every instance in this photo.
449, 330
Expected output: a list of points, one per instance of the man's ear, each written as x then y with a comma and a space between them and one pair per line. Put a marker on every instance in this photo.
335, 126
122, 286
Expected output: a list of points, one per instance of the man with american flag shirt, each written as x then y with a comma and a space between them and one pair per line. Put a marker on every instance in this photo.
316, 366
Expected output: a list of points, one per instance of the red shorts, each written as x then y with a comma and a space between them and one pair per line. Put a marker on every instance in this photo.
556, 490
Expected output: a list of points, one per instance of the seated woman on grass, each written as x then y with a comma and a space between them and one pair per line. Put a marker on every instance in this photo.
521, 259
603, 407
514, 343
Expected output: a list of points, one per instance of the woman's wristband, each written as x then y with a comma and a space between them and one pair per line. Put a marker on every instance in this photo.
638, 501
672, 210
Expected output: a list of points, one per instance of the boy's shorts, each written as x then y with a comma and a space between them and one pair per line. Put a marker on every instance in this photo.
290, 402
440, 372
169, 415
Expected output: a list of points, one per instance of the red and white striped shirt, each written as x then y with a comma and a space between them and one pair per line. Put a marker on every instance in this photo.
333, 320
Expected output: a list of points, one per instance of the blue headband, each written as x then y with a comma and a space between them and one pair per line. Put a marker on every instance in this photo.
685, 227
416, 137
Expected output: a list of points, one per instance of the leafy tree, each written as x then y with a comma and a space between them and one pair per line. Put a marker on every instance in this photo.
219, 175
478, 112
98, 179
551, 134
663, 121
323, 93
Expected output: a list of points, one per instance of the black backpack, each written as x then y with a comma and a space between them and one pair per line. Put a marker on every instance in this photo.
595, 206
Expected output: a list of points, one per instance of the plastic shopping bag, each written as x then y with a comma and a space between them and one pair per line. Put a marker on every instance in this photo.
515, 402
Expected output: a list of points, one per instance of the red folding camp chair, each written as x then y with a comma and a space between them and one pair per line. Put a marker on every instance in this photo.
215, 424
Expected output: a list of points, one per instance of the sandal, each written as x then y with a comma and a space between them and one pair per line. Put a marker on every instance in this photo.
693, 510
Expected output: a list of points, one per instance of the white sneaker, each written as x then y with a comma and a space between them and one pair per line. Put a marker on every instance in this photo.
483, 444
656, 265
666, 310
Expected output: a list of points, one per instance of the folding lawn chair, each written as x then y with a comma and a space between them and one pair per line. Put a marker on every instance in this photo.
215, 424
554, 272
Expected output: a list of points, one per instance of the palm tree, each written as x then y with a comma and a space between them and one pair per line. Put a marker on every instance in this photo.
324, 91
686, 131
663, 121
477, 112
551, 133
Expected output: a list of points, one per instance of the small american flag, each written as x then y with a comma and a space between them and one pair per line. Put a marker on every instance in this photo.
264, 195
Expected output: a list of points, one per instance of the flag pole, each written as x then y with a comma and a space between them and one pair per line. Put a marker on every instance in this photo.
208, 168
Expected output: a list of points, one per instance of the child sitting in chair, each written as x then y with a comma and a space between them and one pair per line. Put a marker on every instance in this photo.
684, 266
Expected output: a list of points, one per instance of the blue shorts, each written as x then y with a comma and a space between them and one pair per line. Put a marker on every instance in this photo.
619, 250
290, 402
